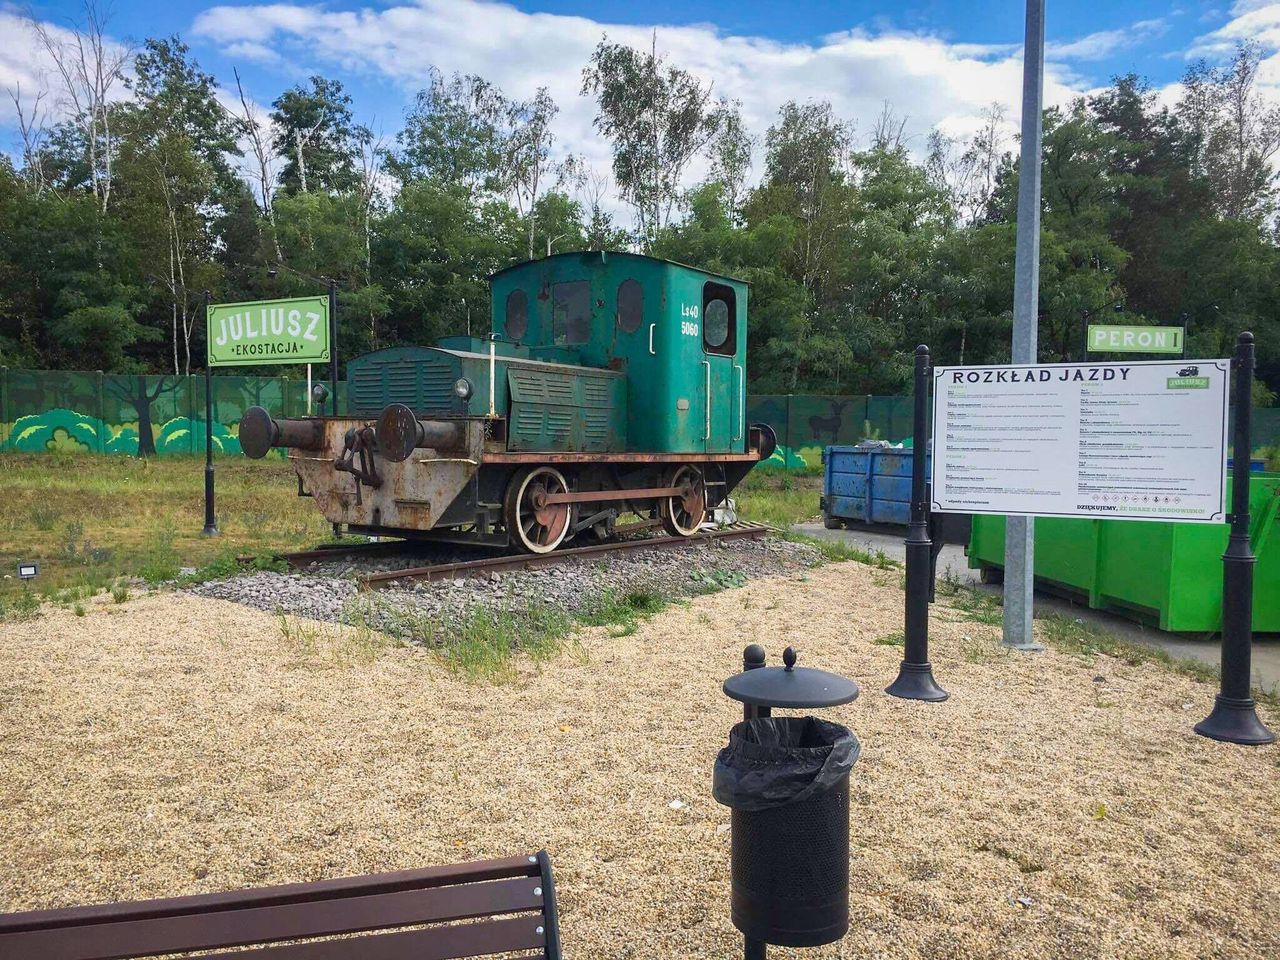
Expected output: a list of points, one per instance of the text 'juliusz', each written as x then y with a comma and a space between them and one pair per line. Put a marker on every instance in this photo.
269, 322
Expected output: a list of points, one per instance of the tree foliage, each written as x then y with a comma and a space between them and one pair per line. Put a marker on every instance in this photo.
120, 216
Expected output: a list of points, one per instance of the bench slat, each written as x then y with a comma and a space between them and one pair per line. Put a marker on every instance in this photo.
445, 943
323, 890
115, 940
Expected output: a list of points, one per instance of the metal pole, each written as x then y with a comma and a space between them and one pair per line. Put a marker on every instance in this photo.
210, 521
915, 676
753, 659
1235, 716
333, 343
1019, 539
4, 405
333, 365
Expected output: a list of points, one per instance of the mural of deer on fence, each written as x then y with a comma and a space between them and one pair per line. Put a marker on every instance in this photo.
829, 425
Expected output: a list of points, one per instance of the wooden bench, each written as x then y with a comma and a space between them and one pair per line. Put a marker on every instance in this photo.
467, 910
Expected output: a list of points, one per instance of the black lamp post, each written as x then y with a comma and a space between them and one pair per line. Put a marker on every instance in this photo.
915, 676
210, 519
1235, 715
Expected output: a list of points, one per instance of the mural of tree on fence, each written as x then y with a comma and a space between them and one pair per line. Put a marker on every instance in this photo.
137, 414
134, 392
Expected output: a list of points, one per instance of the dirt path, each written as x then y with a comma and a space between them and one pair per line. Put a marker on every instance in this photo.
178, 745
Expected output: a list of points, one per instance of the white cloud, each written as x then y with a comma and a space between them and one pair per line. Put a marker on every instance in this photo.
27, 67
922, 76
24, 65
1257, 20
1105, 43
1250, 20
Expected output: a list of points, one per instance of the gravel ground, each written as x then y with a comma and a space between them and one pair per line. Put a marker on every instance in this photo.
421, 612
1055, 807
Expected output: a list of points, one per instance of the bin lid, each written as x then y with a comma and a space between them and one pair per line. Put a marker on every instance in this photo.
790, 686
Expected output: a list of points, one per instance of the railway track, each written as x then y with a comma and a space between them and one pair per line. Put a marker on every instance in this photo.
457, 570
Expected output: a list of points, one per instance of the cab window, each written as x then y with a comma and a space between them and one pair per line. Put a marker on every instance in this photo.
719, 319
517, 320
571, 313
630, 305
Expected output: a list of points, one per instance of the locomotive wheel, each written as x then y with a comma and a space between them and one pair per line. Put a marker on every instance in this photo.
534, 525
683, 514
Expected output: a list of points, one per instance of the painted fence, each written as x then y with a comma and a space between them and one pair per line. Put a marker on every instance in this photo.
73, 411
806, 423
44, 410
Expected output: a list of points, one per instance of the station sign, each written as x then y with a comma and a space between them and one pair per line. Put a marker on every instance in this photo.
1116, 338
269, 332
1144, 440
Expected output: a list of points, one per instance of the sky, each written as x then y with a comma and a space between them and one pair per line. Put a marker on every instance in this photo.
937, 63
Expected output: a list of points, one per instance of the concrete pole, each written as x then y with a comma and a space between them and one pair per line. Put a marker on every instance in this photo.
1019, 543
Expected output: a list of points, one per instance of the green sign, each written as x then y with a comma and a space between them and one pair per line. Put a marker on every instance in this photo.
269, 331
1112, 338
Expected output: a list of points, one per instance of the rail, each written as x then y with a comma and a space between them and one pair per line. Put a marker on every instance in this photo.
458, 570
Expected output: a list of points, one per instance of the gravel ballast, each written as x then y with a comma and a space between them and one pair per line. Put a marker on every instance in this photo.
1055, 807
417, 611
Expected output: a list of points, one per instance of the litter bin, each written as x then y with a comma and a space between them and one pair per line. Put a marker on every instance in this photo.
786, 779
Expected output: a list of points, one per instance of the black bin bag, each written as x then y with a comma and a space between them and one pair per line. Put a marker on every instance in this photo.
786, 780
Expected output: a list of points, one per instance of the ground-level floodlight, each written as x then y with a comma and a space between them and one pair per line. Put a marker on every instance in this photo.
1235, 715
915, 676
28, 571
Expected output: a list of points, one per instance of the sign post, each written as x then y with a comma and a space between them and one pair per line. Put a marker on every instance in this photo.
915, 676
257, 333
333, 339
1019, 535
1235, 715
210, 520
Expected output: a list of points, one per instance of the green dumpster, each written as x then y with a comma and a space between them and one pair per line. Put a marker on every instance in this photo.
1169, 574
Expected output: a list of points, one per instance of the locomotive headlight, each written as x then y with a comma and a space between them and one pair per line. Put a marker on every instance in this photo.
462, 388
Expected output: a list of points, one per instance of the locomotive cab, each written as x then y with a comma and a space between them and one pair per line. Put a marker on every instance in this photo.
611, 385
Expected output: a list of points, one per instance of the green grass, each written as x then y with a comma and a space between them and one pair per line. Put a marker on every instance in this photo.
1271, 455
976, 605
230, 563
897, 639
89, 520
1074, 636
20, 606
623, 612
326, 644
779, 498
839, 551
713, 581
784, 499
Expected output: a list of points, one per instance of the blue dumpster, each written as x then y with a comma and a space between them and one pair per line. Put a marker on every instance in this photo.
870, 484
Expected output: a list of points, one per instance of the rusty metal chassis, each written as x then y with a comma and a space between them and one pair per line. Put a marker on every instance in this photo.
482, 523
474, 517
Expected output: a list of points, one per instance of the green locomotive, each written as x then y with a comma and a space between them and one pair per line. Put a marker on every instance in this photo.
610, 384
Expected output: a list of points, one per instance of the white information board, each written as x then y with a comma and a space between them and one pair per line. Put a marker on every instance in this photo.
1140, 441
